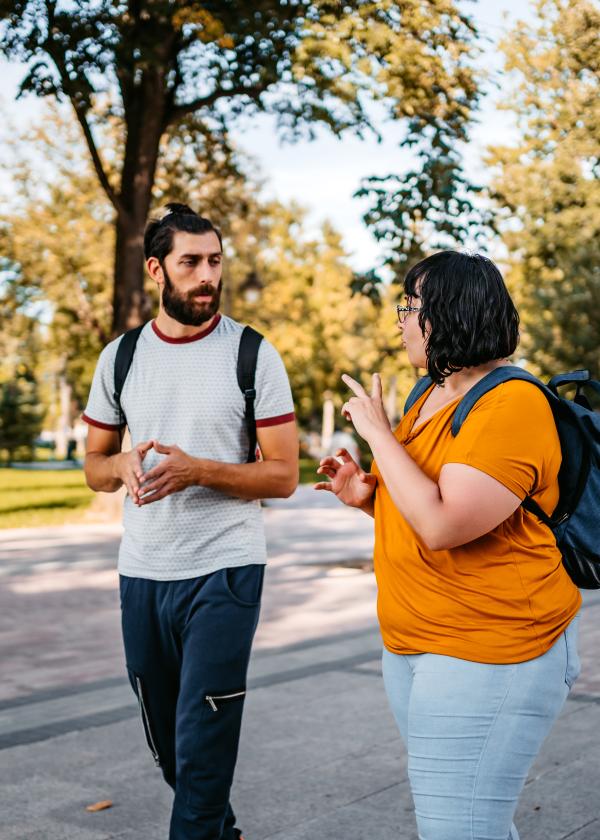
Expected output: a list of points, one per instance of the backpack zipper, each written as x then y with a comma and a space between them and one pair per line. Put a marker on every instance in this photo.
212, 698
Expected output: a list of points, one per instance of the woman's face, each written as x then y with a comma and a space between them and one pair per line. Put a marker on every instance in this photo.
412, 337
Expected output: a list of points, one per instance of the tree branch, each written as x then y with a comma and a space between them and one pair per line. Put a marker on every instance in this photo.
56, 54
102, 176
253, 91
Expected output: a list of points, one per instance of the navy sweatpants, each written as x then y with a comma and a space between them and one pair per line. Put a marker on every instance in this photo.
187, 648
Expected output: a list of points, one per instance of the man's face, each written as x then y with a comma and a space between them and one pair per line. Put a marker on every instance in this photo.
191, 293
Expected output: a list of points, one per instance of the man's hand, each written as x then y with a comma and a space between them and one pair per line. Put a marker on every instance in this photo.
128, 468
352, 485
174, 473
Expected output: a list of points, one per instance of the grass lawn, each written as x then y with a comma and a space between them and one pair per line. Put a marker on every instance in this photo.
29, 498
32, 498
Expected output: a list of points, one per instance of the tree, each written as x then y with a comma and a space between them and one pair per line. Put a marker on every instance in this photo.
321, 329
547, 184
56, 239
134, 71
20, 414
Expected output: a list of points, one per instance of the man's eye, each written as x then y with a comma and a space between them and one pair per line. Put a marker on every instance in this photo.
215, 262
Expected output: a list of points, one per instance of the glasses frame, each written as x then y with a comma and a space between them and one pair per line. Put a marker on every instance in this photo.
403, 311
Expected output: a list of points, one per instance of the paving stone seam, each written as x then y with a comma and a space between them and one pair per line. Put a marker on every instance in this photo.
83, 722
42, 695
578, 829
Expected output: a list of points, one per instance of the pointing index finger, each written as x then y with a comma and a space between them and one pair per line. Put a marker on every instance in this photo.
376, 389
354, 385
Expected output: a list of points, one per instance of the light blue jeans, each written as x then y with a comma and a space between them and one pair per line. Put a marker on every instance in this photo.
472, 732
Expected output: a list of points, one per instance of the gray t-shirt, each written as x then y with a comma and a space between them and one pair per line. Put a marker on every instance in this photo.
185, 392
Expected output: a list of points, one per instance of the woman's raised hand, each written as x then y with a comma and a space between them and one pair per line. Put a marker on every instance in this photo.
366, 411
351, 484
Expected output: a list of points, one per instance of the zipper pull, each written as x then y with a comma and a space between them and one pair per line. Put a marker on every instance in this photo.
211, 703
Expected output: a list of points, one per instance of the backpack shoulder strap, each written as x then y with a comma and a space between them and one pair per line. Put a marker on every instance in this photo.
246, 374
494, 378
417, 391
123, 361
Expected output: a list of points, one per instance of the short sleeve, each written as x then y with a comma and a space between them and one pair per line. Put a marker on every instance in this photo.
102, 409
274, 404
510, 435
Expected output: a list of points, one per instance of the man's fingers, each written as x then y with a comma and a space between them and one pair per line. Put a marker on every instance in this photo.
323, 485
155, 472
162, 490
376, 389
132, 490
152, 487
354, 385
142, 448
162, 448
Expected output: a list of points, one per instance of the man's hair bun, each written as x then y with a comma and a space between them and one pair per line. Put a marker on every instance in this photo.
179, 209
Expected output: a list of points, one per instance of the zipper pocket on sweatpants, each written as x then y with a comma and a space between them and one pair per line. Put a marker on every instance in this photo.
146, 721
212, 699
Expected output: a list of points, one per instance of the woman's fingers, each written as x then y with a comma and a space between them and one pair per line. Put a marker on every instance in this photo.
376, 388
327, 471
367, 478
354, 385
329, 461
344, 455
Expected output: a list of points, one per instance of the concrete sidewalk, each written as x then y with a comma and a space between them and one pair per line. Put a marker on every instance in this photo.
320, 757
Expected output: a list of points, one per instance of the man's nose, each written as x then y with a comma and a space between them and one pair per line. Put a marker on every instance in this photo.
205, 273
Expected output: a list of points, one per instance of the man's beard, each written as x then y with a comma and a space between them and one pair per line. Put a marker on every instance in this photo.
184, 309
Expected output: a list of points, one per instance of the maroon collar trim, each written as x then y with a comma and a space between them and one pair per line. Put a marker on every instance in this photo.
187, 338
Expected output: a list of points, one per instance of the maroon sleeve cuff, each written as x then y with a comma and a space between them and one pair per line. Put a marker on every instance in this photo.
276, 421
106, 426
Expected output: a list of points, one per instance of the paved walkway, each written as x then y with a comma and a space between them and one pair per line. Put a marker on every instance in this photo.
320, 757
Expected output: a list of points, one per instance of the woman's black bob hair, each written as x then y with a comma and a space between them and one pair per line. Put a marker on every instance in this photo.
466, 312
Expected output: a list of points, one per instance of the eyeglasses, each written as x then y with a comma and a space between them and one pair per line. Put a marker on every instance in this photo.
403, 311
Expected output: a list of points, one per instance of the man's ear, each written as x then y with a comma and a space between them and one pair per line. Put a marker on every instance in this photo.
155, 270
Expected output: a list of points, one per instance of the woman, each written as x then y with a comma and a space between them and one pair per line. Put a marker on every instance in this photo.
476, 610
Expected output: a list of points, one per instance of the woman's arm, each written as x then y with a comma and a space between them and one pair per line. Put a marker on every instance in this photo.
465, 504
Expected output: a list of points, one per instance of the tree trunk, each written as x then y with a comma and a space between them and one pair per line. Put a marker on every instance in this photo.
131, 303
145, 125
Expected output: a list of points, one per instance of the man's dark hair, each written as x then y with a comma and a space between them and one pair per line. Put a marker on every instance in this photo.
466, 314
159, 233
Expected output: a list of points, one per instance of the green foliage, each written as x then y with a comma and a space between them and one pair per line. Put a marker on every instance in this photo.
427, 209
20, 413
135, 73
548, 184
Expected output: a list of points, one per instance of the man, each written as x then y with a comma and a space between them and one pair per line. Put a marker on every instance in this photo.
192, 556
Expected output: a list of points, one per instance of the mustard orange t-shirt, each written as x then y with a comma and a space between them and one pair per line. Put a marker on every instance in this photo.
504, 597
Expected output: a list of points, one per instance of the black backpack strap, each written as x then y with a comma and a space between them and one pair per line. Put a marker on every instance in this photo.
417, 391
246, 373
123, 361
494, 378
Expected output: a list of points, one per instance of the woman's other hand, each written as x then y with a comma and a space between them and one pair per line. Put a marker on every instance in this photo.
351, 484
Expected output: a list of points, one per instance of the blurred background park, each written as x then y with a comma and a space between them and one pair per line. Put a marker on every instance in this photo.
334, 143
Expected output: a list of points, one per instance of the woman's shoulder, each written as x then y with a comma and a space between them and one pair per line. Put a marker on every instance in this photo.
517, 395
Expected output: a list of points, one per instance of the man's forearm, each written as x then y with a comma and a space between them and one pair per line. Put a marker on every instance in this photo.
100, 472
270, 479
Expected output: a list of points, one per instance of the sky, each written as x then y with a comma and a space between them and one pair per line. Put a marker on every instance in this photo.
322, 175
